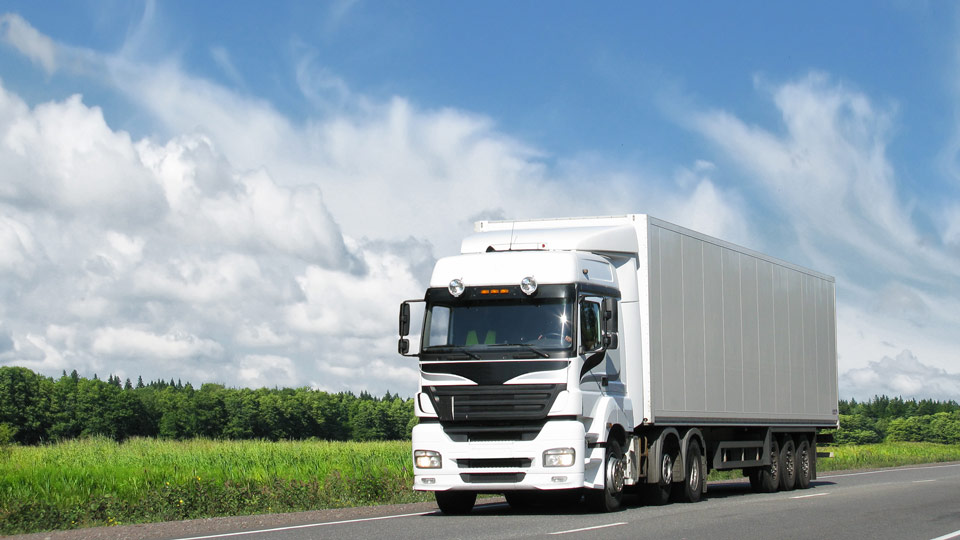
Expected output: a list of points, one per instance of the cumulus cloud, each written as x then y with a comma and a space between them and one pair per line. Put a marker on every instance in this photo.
162, 258
903, 376
243, 246
132, 342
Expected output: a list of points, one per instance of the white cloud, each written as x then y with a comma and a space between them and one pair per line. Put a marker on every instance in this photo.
62, 157
37, 47
221, 56
826, 177
18, 249
278, 249
903, 376
268, 371
143, 344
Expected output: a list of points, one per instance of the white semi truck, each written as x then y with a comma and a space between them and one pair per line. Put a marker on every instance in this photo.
592, 356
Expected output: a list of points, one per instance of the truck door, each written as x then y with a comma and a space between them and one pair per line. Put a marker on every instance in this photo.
600, 373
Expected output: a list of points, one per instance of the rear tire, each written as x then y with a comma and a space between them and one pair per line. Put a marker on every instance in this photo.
609, 498
659, 494
456, 502
691, 489
769, 476
788, 465
804, 464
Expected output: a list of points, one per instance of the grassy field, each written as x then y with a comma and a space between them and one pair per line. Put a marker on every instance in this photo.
99, 482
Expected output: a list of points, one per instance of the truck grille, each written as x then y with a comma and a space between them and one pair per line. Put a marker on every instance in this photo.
496, 402
493, 463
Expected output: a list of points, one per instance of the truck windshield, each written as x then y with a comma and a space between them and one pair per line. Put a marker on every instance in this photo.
545, 324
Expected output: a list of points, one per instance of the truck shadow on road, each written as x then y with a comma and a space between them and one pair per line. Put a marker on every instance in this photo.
718, 490
722, 490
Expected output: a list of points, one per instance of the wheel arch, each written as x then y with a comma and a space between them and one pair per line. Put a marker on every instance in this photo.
665, 439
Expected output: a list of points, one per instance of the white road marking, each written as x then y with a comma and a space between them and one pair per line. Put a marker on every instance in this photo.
948, 536
591, 528
305, 526
309, 525
888, 470
812, 495
924, 481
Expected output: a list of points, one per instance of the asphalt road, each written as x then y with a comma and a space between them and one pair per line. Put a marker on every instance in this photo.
921, 502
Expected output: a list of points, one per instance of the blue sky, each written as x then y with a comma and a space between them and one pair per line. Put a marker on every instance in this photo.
242, 192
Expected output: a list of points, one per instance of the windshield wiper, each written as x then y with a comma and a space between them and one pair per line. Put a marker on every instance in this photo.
525, 345
454, 350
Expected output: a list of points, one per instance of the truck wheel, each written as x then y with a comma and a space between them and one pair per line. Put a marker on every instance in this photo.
608, 499
692, 485
659, 494
804, 464
788, 465
769, 476
456, 502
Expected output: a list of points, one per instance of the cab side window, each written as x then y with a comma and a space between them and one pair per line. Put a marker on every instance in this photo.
589, 325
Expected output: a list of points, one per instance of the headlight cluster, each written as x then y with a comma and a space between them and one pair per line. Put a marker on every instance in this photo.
427, 459
559, 457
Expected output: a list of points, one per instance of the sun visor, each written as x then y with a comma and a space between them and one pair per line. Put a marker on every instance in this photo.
616, 239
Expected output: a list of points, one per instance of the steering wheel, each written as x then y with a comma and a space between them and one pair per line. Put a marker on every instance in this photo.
550, 335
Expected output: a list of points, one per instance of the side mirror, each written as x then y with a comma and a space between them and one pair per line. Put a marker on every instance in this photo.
404, 321
610, 322
407, 342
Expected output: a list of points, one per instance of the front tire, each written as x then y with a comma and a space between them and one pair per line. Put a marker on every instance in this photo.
610, 497
456, 502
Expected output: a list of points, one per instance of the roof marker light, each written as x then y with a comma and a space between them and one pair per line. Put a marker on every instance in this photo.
455, 287
528, 285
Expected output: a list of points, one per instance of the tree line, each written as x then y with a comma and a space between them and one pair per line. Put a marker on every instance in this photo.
895, 419
36, 408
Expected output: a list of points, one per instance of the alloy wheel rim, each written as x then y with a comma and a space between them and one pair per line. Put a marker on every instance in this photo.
666, 472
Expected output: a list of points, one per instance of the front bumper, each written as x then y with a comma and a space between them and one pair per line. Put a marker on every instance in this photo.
499, 466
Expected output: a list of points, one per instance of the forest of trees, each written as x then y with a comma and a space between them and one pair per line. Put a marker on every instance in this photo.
35, 408
894, 419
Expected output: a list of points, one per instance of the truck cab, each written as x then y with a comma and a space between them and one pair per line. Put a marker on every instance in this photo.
521, 382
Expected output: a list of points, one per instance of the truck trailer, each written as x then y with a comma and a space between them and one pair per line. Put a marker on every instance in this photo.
576, 358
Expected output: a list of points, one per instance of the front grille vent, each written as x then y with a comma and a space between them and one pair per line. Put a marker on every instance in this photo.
496, 402
491, 463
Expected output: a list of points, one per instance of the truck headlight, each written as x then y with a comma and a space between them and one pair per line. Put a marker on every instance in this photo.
426, 459
559, 457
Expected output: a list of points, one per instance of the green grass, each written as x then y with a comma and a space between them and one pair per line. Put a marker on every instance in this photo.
100, 482
95, 482
889, 454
